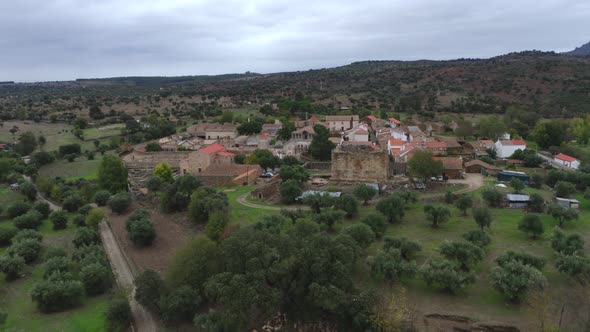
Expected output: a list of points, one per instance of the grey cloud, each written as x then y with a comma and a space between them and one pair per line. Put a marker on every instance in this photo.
67, 39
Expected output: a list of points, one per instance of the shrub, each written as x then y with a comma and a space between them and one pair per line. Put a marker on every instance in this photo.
84, 210
444, 274
141, 232
28, 190
532, 224
562, 214
364, 193
522, 257
72, 203
216, 224
119, 202
85, 255
437, 214
28, 249
154, 183
118, 314
361, 233
27, 234
392, 207
514, 279
478, 237
43, 208
94, 217
408, 248
59, 220
57, 294
95, 278
180, 305
6, 235
204, 202
390, 265
101, 197
576, 265
17, 209
537, 203
566, 244
79, 220
290, 190
348, 204
328, 218
85, 236
56, 264
29, 220
465, 253
11, 266
149, 287
377, 223
492, 197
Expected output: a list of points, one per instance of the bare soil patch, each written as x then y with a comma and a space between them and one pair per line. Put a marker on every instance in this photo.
172, 233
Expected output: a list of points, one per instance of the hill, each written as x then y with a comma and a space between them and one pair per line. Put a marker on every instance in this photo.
550, 84
583, 50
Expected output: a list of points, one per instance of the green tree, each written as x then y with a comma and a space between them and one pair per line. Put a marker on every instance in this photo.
377, 223
537, 203
492, 127
12, 266
564, 189
463, 252
85, 236
95, 278
28, 190
321, 147
566, 244
17, 209
437, 214
59, 219
141, 232
478, 237
101, 197
328, 218
153, 147
118, 314
514, 279
27, 143
290, 191
28, 249
361, 233
550, 133
295, 172
57, 294
463, 203
492, 197
317, 201
364, 192
408, 248
119, 202
483, 217
112, 174
423, 165
94, 217
195, 263
149, 287
390, 265
348, 204
164, 172
532, 224
43, 208
205, 202
576, 266
517, 185
522, 257
562, 214
72, 202
392, 207
179, 305
444, 274
29, 220
216, 225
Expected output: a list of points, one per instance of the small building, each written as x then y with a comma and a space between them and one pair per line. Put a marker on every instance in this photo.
481, 167
341, 123
567, 161
507, 176
568, 203
452, 167
506, 148
517, 201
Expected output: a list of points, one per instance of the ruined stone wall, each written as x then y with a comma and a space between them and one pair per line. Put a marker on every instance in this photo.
358, 163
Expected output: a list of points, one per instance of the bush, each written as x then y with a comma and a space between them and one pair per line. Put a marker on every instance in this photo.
532, 224
27, 234
377, 223
95, 278
148, 288
118, 314
28, 249
180, 305
204, 202
94, 217
102, 197
43, 208
72, 203
85, 255
364, 193
56, 294
492, 197
154, 183
290, 190
463, 252
444, 274
566, 244
79, 220
141, 232
84, 210
522, 257
29, 220
59, 220
537, 203
56, 264
85, 236
437, 214
119, 202
361, 233
408, 248
6, 235
17, 209
514, 279
11, 266
392, 207
348, 204
328, 218
390, 265
478, 237
576, 265
463, 203
28, 190
217, 222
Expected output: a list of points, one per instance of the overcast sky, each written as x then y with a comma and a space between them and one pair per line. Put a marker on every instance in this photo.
43, 40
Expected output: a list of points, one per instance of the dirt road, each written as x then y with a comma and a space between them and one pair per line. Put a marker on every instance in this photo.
242, 200
142, 319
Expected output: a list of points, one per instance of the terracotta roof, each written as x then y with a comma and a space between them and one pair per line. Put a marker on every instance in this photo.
314, 118
213, 148
394, 120
395, 151
225, 154
435, 145
512, 142
264, 136
450, 162
396, 142
371, 117
565, 157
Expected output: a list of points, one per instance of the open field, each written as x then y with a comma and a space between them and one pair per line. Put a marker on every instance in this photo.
22, 312
108, 131
81, 168
8, 197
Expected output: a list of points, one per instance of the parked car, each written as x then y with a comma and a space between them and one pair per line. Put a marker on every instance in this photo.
419, 185
267, 175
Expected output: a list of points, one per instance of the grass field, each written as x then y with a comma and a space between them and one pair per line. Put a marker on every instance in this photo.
22, 312
81, 168
95, 133
8, 197
239, 213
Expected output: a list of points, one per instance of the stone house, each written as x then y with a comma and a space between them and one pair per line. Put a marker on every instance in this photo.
452, 167
200, 160
339, 123
481, 167
359, 161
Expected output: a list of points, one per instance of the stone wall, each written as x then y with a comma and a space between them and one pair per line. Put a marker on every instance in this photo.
359, 163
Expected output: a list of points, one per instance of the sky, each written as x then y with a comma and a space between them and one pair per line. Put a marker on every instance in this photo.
48, 40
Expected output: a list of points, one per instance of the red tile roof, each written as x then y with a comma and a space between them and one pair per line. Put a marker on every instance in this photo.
371, 117
565, 157
264, 136
394, 120
518, 142
396, 142
313, 118
213, 148
435, 145
225, 154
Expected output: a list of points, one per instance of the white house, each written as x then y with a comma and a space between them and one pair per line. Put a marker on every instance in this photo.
567, 161
506, 148
395, 146
359, 133
393, 122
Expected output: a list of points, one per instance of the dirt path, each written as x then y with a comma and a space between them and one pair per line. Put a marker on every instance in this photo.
242, 200
473, 182
142, 319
